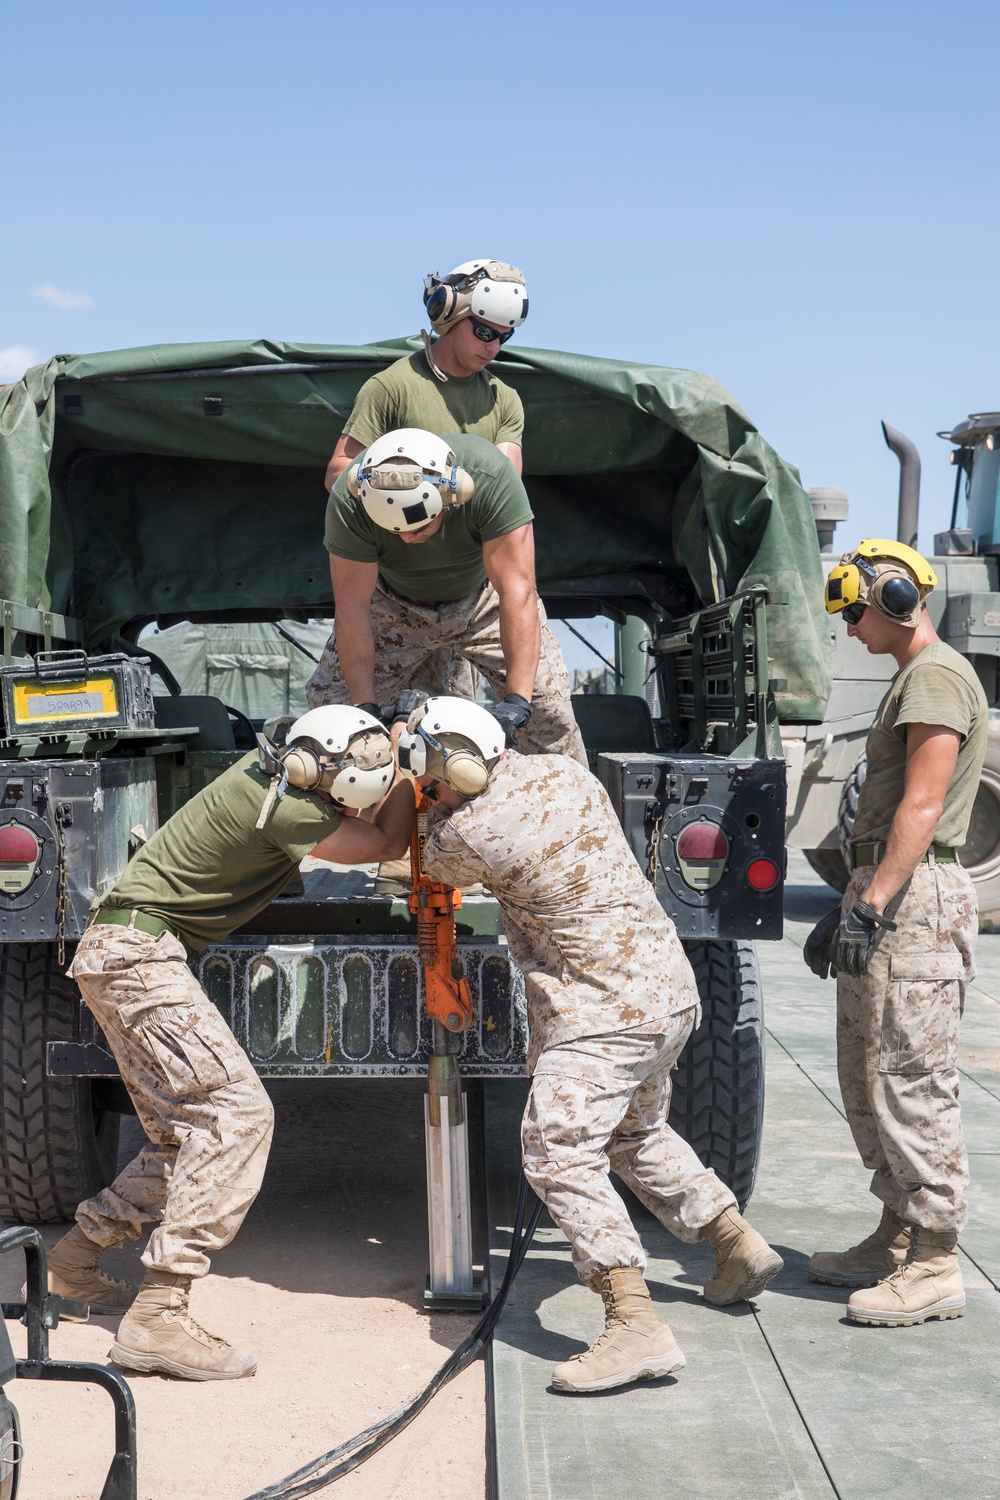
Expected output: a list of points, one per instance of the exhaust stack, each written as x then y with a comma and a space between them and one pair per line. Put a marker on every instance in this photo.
909, 484
829, 507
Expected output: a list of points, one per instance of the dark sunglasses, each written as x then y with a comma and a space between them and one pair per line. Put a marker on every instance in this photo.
851, 613
485, 334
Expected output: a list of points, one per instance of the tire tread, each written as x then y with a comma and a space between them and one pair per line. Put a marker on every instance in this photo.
53, 1153
717, 1102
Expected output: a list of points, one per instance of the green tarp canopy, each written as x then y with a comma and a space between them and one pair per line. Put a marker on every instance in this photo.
186, 480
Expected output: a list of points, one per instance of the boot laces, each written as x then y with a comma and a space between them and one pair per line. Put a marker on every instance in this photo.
193, 1327
605, 1338
899, 1277
112, 1283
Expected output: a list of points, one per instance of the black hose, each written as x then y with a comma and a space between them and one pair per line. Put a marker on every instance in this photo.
348, 1455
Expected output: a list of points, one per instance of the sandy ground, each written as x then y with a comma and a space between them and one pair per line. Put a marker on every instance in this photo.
324, 1284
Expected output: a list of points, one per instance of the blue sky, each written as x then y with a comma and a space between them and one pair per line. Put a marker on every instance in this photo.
797, 200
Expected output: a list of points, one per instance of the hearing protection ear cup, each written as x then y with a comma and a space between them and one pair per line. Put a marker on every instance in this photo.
464, 487
440, 303
895, 596
303, 768
352, 480
465, 773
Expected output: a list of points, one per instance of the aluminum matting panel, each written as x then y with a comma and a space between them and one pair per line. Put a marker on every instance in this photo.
302, 1009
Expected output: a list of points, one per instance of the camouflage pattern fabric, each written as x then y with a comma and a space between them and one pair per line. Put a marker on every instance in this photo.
426, 646
601, 1103
205, 1111
897, 1045
598, 953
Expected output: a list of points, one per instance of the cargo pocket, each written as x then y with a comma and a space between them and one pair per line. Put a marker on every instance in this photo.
192, 1048
921, 1014
109, 950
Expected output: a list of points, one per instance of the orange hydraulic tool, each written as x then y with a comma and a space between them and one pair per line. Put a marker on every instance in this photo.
434, 905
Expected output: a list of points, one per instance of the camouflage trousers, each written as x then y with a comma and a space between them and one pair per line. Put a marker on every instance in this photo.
205, 1111
600, 1104
433, 646
897, 1045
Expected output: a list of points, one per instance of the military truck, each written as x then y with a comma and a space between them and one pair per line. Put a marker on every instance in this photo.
826, 763
184, 484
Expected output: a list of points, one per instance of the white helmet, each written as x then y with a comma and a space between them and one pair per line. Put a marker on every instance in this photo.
453, 739
486, 289
407, 478
340, 750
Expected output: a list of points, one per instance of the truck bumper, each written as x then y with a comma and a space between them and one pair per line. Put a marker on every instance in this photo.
338, 1008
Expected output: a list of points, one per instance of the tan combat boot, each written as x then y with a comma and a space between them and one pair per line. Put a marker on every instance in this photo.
744, 1261
74, 1272
928, 1286
159, 1333
868, 1263
635, 1345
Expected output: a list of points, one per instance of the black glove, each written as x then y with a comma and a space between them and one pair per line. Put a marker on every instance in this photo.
408, 701
818, 951
373, 709
512, 714
856, 938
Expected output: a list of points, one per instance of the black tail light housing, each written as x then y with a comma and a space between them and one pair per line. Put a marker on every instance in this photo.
710, 833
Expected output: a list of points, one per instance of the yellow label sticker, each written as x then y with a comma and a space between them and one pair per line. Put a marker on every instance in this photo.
53, 702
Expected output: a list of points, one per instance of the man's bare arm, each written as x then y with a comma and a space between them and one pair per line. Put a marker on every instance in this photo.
511, 451
931, 752
358, 842
353, 587
510, 566
346, 451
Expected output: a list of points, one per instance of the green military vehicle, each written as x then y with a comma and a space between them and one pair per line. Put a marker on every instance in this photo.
826, 762
153, 487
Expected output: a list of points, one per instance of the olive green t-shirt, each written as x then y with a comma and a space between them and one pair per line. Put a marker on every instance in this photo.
449, 564
936, 687
409, 394
209, 869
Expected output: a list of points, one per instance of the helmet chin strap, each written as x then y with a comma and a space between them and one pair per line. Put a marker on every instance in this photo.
428, 346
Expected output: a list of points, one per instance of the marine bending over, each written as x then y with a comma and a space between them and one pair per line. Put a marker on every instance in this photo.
611, 1002
431, 546
210, 869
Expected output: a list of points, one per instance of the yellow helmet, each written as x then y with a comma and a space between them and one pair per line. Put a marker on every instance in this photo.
889, 576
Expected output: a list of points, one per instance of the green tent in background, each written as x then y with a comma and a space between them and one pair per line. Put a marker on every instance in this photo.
185, 480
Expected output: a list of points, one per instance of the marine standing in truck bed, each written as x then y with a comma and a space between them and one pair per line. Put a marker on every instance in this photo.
447, 387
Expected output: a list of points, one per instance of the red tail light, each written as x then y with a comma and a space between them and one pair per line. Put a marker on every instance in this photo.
18, 846
701, 841
763, 875
19, 855
702, 851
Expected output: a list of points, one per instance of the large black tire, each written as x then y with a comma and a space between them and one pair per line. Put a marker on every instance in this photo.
718, 1085
829, 866
980, 854
10, 1450
848, 809
57, 1146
